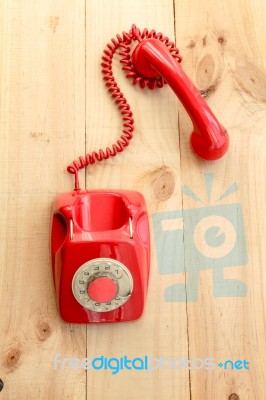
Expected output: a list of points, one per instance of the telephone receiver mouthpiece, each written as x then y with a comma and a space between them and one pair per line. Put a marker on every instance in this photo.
209, 139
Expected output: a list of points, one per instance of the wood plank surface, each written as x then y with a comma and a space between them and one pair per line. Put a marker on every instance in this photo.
42, 123
155, 142
223, 45
54, 107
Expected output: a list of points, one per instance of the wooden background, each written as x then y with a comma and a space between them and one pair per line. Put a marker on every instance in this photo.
54, 107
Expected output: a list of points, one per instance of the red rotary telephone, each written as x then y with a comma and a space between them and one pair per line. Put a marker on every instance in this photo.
100, 246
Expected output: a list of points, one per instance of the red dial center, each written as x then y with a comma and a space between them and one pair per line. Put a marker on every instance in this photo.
102, 289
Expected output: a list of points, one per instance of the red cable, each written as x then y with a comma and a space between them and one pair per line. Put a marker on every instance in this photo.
123, 43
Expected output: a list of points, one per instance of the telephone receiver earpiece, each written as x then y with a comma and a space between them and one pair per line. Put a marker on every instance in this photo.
209, 139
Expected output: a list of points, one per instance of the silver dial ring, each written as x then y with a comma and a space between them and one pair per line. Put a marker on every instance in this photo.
98, 268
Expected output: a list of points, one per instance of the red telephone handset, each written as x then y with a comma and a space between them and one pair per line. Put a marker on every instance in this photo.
100, 246
209, 139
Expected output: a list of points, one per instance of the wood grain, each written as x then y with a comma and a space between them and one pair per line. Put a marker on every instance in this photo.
153, 156
54, 107
223, 45
42, 123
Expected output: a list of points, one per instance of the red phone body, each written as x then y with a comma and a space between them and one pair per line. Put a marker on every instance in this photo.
100, 249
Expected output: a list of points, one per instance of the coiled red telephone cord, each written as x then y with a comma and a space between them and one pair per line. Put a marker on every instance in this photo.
123, 43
